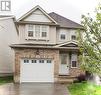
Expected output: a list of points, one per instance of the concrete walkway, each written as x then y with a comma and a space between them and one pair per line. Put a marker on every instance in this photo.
33, 89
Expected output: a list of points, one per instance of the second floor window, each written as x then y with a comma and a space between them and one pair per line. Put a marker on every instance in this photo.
44, 31
44, 34
30, 31
73, 60
62, 36
37, 31
73, 37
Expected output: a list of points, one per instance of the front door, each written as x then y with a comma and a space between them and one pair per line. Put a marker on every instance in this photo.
64, 64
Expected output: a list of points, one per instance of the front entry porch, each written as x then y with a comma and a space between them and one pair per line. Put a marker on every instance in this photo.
68, 66
68, 60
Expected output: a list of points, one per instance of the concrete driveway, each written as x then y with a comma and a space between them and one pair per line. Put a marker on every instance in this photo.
33, 89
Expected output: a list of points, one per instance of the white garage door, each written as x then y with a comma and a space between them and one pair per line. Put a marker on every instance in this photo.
37, 70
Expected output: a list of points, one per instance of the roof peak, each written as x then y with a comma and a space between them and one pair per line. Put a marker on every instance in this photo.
32, 10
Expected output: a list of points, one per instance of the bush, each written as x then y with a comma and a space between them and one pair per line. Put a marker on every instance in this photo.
6, 79
81, 78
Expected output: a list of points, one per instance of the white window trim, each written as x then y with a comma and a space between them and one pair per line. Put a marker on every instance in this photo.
26, 32
74, 60
75, 37
72, 32
47, 38
34, 33
60, 37
36, 38
76, 64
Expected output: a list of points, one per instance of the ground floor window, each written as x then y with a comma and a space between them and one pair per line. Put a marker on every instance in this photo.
73, 60
26, 61
74, 64
48, 61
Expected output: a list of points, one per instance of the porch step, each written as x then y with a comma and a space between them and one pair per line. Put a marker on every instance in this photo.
66, 79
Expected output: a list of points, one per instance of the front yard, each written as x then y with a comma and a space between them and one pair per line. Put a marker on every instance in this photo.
84, 88
6, 79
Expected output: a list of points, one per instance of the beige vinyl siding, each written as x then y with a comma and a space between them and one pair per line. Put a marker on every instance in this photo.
37, 16
52, 36
68, 33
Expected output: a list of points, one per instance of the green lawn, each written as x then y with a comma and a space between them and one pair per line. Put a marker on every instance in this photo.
84, 89
7, 79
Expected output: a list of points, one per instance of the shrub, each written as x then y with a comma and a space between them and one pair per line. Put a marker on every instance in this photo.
81, 78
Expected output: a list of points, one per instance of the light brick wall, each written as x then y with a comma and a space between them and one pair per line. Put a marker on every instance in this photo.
43, 53
76, 71
31, 53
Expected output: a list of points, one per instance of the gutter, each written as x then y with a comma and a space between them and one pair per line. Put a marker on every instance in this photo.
43, 47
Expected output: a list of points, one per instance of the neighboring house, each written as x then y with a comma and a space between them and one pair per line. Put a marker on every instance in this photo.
47, 49
8, 35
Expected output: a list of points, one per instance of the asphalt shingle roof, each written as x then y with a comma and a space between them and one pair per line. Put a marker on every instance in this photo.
64, 22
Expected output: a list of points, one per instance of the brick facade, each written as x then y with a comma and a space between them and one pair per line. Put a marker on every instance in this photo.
32, 53
76, 71
21, 53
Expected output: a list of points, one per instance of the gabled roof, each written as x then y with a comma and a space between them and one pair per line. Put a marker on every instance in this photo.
64, 22
68, 44
55, 18
32, 10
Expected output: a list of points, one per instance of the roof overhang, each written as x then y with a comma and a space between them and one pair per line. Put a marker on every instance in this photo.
37, 23
14, 46
69, 27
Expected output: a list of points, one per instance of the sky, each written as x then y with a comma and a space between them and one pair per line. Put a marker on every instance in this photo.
71, 9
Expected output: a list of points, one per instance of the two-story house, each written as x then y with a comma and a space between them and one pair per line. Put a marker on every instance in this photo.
47, 48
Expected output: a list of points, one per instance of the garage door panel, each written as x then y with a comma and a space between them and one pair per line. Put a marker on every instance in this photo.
37, 70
